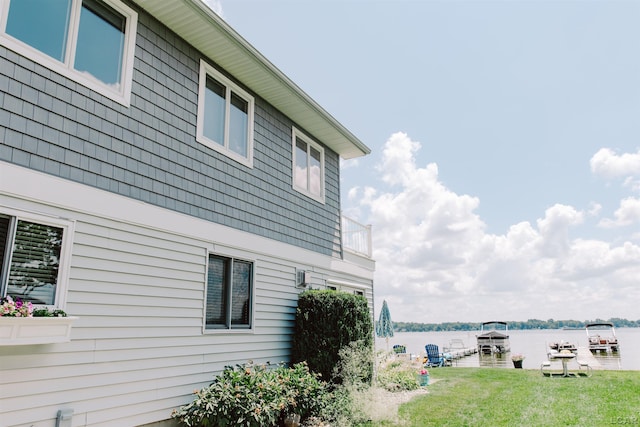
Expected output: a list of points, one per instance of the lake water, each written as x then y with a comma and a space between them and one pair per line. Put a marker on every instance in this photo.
531, 343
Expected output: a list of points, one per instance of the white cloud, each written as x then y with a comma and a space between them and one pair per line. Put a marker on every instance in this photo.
632, 183
436, 263
627, 214
398, 162
607, 164
349, 164
353, 193
554, 229
216, 6
594, 209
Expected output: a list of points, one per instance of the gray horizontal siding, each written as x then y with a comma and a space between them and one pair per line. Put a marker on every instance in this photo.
137, 349
148, 151
138, 341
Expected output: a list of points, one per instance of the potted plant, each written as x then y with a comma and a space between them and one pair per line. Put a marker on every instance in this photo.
21, 323
517, 360
423, 377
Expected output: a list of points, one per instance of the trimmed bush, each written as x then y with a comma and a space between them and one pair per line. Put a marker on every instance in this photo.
327, 321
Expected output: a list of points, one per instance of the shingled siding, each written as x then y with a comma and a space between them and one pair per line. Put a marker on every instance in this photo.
148, 151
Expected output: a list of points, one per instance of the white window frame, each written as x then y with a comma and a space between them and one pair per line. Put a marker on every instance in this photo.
297, 133
222, 147
352, 288
228, 328
68, 228
122, 94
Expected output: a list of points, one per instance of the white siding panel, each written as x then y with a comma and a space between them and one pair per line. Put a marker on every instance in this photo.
82, 370
40, 359
112, 297
138, 349
135, 266
132, 332
117, 282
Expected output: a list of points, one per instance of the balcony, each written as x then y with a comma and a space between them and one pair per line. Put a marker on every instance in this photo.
356, 237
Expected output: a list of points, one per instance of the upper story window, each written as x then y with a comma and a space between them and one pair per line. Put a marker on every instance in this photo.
225, 116
308, 166
89, 41
34, 255
229, 293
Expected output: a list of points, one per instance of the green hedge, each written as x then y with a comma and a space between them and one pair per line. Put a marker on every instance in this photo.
327, 321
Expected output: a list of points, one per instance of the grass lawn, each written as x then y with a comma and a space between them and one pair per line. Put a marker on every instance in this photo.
517, 397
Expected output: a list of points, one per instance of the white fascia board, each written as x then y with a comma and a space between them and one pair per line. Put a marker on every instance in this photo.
18, 183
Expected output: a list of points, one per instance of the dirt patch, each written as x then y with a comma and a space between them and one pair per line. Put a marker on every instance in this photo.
383, 404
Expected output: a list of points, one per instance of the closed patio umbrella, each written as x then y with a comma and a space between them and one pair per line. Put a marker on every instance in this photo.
384, 327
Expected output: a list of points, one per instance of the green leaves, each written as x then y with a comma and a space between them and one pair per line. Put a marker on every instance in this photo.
256, 396
329, 320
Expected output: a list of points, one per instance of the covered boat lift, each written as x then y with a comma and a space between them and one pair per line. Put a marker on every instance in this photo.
492, 340
599, 341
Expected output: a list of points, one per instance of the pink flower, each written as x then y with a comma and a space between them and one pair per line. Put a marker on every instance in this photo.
15, 308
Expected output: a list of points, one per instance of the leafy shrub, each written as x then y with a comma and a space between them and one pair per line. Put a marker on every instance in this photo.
257, 396
330, 320
352, 381
355, 366
397, 378
44, 312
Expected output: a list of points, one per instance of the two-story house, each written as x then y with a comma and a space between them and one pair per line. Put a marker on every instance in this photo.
170, 189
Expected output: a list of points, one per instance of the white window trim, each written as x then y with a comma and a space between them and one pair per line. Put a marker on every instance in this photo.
123, 95
297, 133
208, 70
354, 288
68, 227
229, 329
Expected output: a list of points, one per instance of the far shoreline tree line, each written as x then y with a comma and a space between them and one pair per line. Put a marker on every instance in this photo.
513, 325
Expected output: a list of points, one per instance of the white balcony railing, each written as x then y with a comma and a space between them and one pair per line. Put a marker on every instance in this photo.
356, 237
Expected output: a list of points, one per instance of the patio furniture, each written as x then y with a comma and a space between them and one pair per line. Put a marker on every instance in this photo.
399, 349
434, 357
585, 364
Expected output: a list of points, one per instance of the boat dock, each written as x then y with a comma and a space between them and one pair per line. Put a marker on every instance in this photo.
584, 354
457, 349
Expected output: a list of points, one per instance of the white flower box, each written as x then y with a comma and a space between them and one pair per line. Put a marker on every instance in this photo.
35, 330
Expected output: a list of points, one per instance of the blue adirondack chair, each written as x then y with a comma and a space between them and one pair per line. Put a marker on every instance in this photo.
434, 357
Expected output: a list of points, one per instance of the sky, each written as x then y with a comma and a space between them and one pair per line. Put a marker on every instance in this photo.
504, 177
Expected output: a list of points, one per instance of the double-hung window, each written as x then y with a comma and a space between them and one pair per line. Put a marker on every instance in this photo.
34, 255
225, 116
89, 41
229, 293
308, 166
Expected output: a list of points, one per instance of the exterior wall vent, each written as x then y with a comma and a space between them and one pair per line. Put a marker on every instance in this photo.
304, 278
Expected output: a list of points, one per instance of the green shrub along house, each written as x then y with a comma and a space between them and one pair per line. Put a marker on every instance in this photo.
331, 322
169, 189
316, 389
